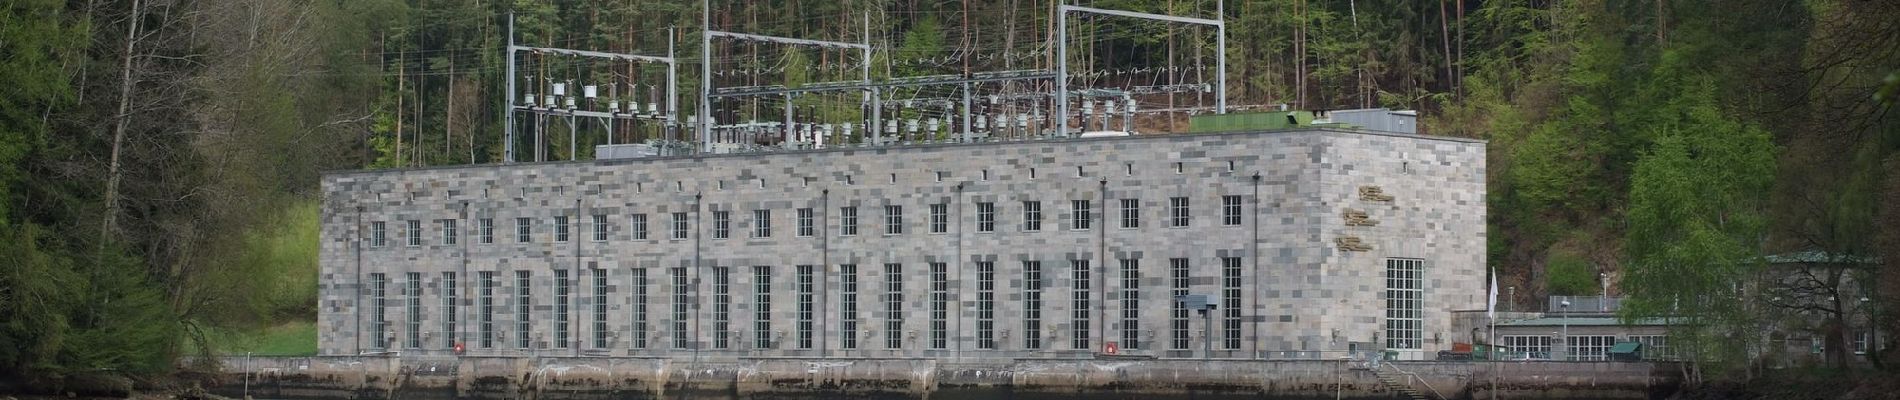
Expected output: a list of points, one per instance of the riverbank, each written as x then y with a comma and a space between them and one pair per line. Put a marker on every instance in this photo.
623, 378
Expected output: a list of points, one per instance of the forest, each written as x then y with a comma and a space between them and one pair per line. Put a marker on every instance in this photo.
159, 159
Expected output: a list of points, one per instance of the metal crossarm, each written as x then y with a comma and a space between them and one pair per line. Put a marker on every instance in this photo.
786, 40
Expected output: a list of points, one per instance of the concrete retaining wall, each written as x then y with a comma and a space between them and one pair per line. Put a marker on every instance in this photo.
637, 378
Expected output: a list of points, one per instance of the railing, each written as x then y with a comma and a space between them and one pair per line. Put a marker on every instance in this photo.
1409, 377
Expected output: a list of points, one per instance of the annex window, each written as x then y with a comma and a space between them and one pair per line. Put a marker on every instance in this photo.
722, 224
600, 309
1404, 307
560, 228
848, 221
524, 302
640, 317
378, 234
679, 225
805, 222
985, 305
1589, 348
638, 224
985, 217
680, 307
762, 307
893, 220
1079, 217
379, 312
1230, 302
414, 232
1535, 347
1178, 212
722, 307
1080, 308
761, 223
524, 230
450, 303
412, 292
1131, 303
487, 230
488, 309
448, 231
1131, 214
600, 227
893, 306
562, 289
939, 218
1178, 280
1032, 305
1655, 347
939, 305
806, 306
1032, 216
1230, 210
848, 305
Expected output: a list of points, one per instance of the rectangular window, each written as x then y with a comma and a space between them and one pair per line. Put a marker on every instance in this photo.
562, 289
1178, 212
1230, 302
524, 328
847, 221
722, 224
640, 317
1178, 314
893, 220
450, 303
524, 230
762, 307
1589, 348
414, 233
560, 228
1131, 213
1032, 305
893, 306
600, 227
638, 223
1079, 217
681, 286
600, 309
761, 223
805, 222
1032, 216
939, 218
1080, 308
806, 305
1230, 210
1861, 341
448, 231
1131, 304
848, 304
379, 311
985, 217
722, 307
939, 305
488, 309
1404, 307
487, 230
1526, 347
378, 234
679, 225
985, 305
413, 293
1656, 347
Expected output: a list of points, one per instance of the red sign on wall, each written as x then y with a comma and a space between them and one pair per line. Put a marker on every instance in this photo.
1110, 348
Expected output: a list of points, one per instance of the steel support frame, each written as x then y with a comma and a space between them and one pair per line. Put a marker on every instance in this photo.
1062, 54
672, 89
705, 122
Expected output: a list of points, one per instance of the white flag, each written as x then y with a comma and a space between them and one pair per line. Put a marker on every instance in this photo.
1491, 307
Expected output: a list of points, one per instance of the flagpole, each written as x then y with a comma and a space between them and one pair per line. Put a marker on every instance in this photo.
1491, 309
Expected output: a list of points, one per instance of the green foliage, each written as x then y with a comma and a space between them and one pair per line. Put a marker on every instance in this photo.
1569, 274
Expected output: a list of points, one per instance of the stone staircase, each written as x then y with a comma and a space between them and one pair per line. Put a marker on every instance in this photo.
1398, 383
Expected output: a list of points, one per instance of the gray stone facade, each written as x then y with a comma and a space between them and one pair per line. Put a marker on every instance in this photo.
1323, 215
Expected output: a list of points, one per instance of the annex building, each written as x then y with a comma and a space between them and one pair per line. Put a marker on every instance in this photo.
1310, 242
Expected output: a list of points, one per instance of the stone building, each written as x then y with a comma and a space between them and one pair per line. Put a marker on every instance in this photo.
1311, 242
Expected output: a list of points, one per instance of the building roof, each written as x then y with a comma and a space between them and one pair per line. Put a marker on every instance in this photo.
1586, 321
1817, 257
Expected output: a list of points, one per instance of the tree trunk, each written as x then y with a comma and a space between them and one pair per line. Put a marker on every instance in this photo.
119, 126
